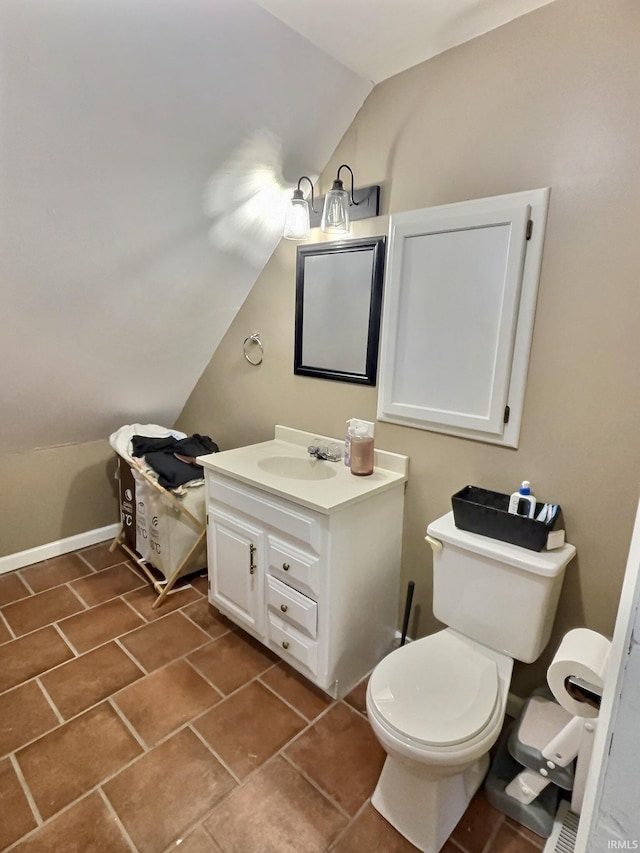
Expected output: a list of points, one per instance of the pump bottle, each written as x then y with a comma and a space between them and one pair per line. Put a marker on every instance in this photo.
362, 449
347, 441
523, 499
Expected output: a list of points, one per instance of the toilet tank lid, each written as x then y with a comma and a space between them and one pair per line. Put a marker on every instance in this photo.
547, 563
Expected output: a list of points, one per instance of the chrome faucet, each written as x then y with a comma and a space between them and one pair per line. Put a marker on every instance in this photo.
329, 452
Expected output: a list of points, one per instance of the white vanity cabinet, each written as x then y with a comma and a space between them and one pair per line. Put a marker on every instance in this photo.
319, 588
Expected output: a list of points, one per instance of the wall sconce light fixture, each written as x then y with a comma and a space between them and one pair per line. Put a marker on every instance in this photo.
339, 208
296, 223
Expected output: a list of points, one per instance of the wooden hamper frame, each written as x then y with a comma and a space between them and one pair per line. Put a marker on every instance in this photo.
184, 567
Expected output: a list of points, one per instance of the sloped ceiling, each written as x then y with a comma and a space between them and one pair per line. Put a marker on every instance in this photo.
380, 38
146, 149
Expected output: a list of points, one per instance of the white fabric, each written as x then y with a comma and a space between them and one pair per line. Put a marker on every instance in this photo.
120, 440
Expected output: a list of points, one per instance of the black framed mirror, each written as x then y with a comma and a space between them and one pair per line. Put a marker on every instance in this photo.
338, 305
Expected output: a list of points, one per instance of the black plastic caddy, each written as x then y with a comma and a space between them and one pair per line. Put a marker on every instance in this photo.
482, 511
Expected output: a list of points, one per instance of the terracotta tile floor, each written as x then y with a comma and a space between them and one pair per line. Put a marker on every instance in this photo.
124, 728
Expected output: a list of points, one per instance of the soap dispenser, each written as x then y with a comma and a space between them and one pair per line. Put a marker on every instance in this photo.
361, 448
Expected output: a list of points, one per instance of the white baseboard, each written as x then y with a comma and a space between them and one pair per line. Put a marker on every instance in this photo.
56, 549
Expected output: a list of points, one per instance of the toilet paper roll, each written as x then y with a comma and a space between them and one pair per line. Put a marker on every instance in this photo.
582, 653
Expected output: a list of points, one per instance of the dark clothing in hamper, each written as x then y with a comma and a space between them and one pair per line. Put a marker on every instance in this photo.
172, 469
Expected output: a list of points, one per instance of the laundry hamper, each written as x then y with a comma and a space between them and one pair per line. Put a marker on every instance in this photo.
160, 529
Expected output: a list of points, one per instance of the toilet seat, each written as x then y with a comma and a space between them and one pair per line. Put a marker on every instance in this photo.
438, 691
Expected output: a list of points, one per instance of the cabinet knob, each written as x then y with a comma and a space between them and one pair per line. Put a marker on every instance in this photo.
284, 607
286, 566
285, 644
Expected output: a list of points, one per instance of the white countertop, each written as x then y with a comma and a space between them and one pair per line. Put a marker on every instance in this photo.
323, 495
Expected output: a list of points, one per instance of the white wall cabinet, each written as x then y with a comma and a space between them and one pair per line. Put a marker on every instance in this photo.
319, 589
460, 295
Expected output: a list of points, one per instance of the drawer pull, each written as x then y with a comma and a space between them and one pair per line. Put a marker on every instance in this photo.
285, 644
286, 567
284, 607
252, 565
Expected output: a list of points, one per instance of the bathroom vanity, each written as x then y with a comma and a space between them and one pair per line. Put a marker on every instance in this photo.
305, 556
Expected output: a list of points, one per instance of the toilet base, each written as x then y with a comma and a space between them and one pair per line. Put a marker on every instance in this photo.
423, 808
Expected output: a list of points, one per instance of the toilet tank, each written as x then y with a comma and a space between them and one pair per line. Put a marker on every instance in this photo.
501, 595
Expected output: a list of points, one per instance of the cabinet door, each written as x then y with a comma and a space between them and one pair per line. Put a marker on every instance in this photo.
236, 560
460, 297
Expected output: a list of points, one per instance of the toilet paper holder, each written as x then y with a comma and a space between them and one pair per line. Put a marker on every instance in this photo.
579, 696
583, 691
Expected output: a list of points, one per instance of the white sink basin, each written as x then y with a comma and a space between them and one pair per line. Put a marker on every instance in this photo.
295, 468
283, 468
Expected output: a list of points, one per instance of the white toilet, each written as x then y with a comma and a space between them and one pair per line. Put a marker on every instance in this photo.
437, 705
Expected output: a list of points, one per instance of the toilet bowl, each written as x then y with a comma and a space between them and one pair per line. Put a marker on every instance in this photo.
437, 706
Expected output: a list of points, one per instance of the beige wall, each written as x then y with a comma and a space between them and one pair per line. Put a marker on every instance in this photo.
54, 493
551, 99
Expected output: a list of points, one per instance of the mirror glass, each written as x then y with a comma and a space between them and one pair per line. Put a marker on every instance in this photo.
338, 302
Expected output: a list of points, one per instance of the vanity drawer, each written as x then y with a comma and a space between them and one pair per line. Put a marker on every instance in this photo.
270, 510
292, 606
291, 643
293, 566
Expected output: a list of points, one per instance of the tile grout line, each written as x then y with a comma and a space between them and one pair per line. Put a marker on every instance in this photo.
67, 643
129, 726
286, 701
518, 827
26, 583
199, 824
116, 817
239, 782
223, 698
132, 608
206, 681
27, 790
109, 697
346, 828
130, 655
9, 628
95, 789
40, 628
489, 845
81, 555
85, 604
54, 707
312, 782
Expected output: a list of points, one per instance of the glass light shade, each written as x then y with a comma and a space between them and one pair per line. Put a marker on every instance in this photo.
335, 214
296, 223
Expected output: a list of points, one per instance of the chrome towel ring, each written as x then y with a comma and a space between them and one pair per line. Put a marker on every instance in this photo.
254, 356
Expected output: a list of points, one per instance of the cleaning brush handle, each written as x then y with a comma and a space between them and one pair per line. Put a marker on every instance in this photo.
407, 611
